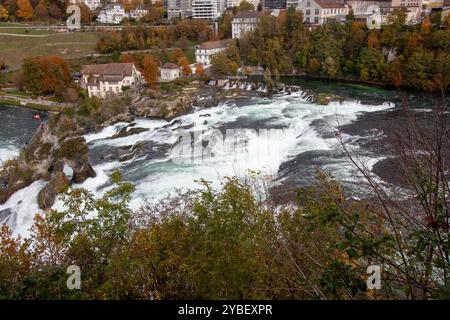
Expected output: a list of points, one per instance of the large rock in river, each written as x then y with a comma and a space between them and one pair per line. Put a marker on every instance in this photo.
57, 184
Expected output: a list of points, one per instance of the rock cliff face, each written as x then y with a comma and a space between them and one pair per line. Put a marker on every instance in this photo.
57, 184
157, 108
55, 145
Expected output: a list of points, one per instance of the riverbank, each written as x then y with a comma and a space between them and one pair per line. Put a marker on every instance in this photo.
35, 104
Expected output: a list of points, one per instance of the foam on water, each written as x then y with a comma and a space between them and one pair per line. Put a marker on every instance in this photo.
24, 206
105, 132
8, 151
291, 116
288, 131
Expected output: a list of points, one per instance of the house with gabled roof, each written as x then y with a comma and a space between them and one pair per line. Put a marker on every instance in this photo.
206, 50
169, 72
318, 11
110, 78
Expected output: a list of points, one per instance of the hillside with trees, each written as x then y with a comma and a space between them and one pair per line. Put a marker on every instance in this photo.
414, 56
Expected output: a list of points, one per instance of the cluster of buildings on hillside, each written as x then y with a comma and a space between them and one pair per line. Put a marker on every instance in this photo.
113, 12
102, 79
314, 11
112, 78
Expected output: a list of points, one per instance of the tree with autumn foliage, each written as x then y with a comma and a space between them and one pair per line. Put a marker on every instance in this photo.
183, 63
41, 11
15, 261
3, 13
46, 75
199, 70
24, 10
426, 25
175, 55
150, 71
395, 72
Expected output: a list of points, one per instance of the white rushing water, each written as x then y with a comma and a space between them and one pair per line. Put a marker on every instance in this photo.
8, 151
286, 119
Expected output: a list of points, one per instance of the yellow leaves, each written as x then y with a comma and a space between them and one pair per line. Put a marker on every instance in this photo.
15, 257
3, 13
25, 10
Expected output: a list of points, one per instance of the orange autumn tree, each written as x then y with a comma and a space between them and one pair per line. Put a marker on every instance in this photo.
46, 75
183, 63
426, 25
199, 71
176, 55
24, 10
150, 72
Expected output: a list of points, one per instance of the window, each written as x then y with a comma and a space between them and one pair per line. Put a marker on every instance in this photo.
316, 19
316, 11
308, 12
308, 4
308, 19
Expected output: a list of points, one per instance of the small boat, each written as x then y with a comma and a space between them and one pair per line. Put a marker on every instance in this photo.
37, 117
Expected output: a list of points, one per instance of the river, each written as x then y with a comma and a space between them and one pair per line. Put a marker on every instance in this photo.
284, 136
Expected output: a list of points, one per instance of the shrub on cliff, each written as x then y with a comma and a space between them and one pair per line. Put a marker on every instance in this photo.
73, 148
15, 173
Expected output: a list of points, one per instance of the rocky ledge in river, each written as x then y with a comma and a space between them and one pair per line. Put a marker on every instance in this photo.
56, 146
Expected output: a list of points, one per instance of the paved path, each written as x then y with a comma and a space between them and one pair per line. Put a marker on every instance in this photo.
25, 100
28, 35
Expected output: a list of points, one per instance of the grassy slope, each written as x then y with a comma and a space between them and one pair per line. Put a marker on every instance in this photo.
13, 49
